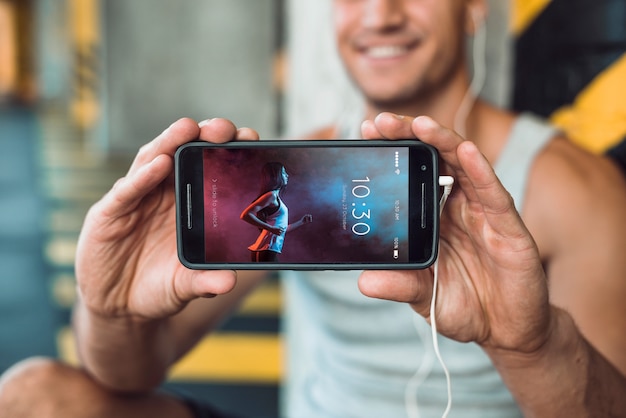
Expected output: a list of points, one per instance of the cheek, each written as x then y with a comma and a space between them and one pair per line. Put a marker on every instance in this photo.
345, 17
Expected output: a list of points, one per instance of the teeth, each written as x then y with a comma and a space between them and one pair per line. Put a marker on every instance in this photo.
386, 51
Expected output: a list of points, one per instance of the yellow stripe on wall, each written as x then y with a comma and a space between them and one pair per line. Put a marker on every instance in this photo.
596, 119
524, 13
266, 300
233, 357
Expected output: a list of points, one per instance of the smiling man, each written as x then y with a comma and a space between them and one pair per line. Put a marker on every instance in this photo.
402, 53
356, 356
520, 341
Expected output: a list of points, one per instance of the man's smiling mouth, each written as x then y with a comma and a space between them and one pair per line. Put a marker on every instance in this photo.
386, 51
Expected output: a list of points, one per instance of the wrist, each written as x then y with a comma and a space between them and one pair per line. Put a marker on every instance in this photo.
110, 318
561, 334
124, 353
551, 379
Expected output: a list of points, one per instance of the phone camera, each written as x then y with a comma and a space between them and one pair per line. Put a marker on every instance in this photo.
424, 167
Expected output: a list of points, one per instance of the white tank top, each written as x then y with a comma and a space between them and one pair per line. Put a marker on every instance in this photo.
267, 241
352, 356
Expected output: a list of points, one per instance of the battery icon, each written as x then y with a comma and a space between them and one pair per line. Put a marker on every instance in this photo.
396, 254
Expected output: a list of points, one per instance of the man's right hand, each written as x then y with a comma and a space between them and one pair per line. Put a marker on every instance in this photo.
126, 262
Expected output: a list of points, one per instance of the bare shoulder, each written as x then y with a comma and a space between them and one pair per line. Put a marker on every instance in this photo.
584, 173
266, 199
570, 188
562, 163
575, 209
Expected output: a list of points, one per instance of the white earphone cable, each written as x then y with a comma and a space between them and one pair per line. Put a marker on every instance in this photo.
433, 317
410, 394
479, 57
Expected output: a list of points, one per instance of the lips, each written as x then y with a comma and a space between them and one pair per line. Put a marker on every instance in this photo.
385, 51
385, 48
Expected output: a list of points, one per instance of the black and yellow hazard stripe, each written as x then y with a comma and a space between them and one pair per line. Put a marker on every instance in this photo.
571, 67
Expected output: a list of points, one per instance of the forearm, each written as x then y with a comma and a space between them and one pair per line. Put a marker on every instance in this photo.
123, 354
255, 221
294, 226
566, 377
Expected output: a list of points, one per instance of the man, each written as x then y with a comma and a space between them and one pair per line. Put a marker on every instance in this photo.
408, 57
557, 345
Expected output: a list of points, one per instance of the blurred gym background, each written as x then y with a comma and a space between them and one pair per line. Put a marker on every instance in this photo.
84, 83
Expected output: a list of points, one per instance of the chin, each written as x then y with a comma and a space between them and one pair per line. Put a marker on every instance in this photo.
386, 101
382, 91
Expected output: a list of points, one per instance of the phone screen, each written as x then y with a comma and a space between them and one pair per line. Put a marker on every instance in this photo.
341, 204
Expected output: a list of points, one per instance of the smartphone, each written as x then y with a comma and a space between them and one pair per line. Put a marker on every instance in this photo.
307, 205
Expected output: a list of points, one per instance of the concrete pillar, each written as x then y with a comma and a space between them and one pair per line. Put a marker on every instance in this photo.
166, 59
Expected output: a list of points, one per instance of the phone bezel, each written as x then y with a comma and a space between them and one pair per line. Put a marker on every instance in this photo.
190, 242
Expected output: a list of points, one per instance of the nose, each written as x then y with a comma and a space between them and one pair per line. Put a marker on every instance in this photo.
384, 14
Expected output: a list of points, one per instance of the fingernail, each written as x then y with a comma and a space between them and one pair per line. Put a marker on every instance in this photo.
425, 120
204, 122
399, 117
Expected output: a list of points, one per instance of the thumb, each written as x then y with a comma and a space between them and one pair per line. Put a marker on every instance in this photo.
195, 284
414, 287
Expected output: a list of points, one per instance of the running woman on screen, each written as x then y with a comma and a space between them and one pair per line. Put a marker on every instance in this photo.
269, 213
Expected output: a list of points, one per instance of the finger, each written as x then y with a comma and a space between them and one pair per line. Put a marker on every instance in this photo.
177, 134
217, 130
128, 191
414, 287
369, 131
445, 140
195, 284
247, 134
388, 126
489, 192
